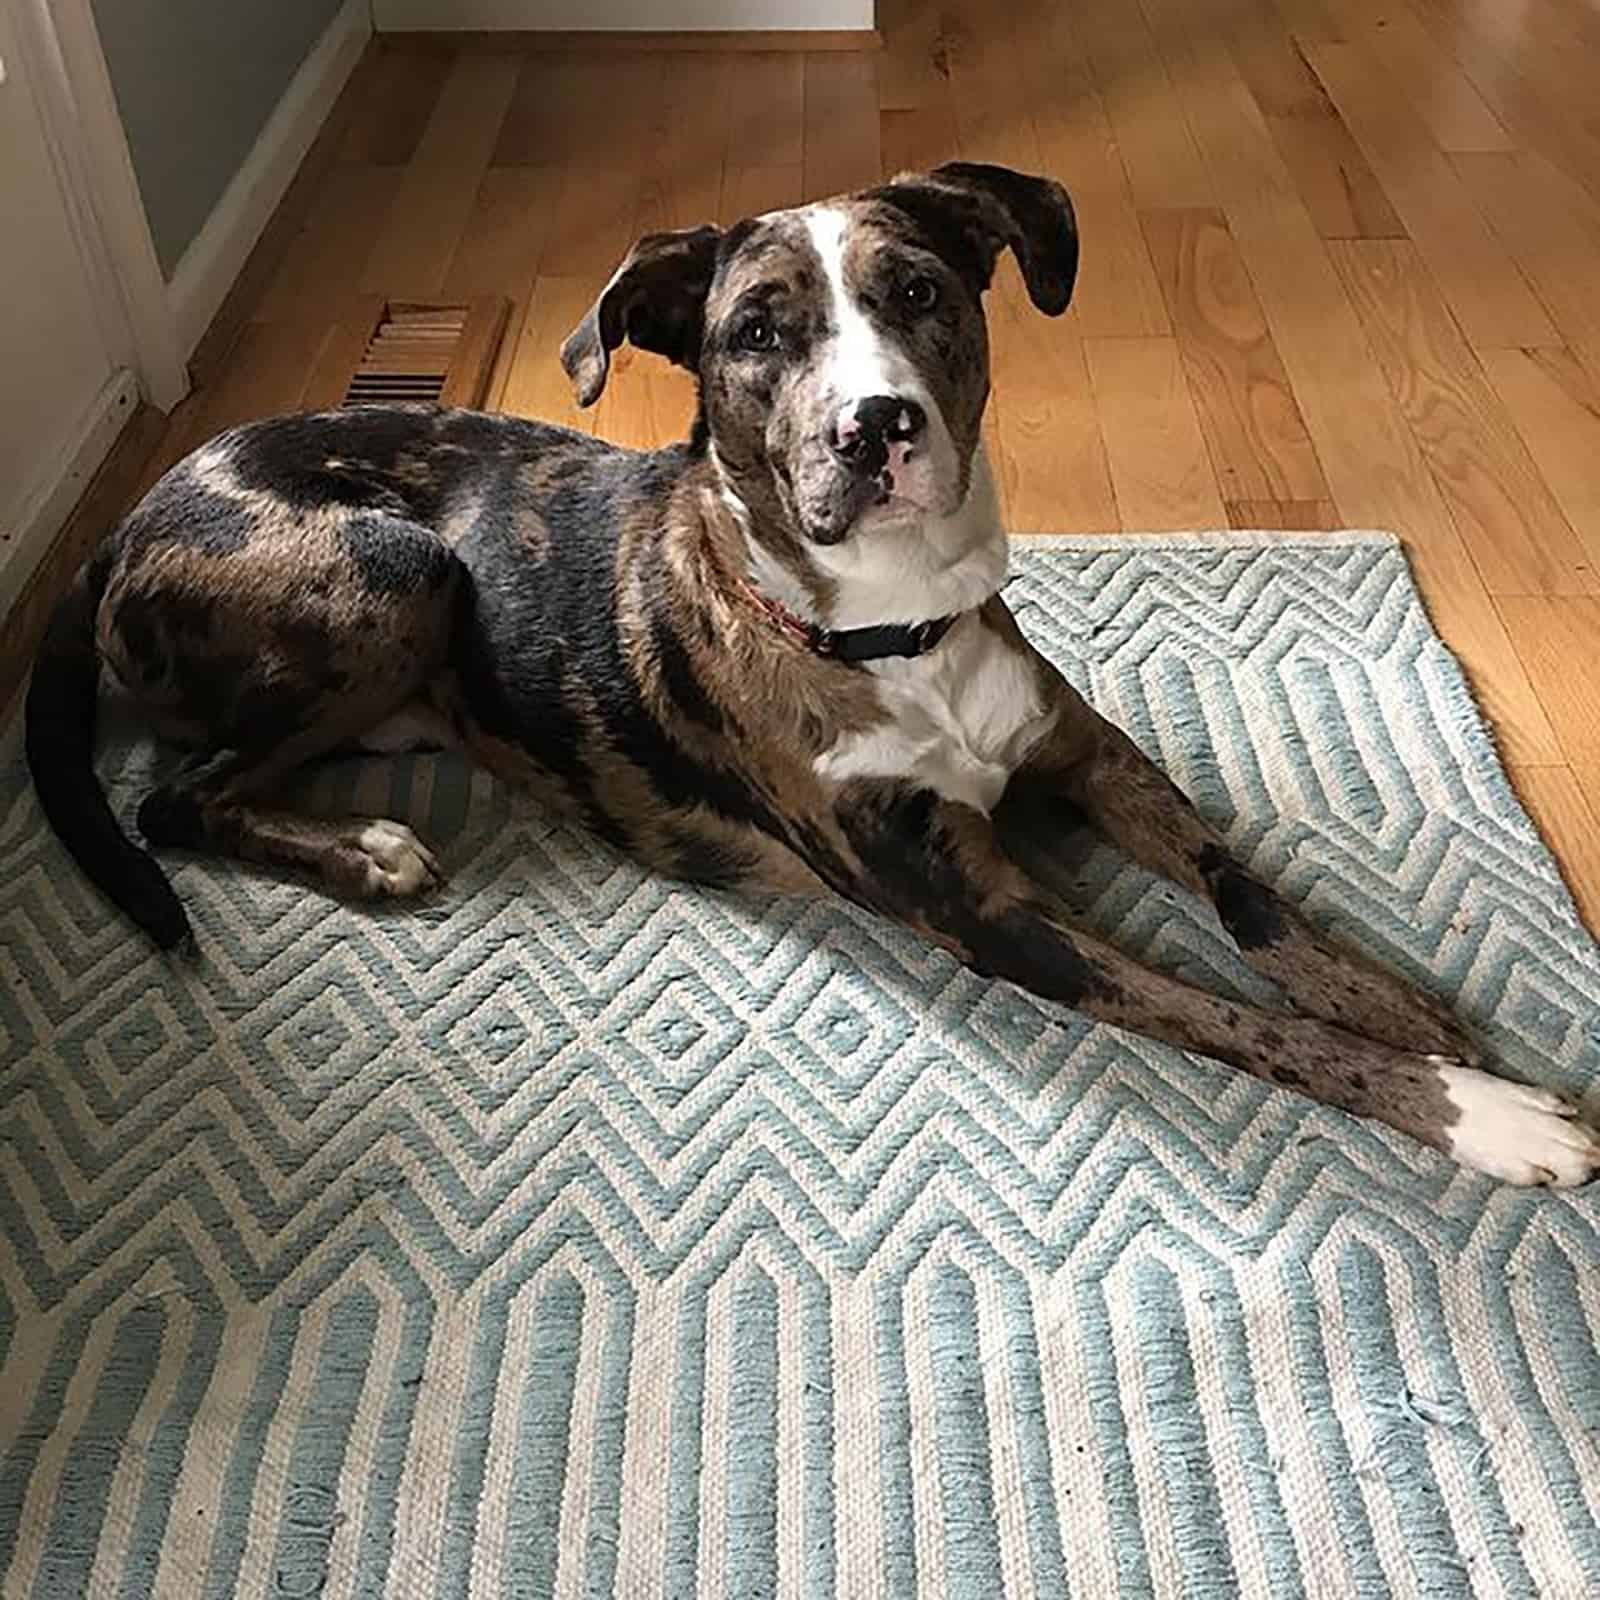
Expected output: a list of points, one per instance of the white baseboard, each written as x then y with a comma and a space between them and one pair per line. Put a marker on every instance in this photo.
62, 482
214, 260
655, 16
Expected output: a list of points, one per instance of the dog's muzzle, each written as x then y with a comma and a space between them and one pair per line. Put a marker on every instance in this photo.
869, 444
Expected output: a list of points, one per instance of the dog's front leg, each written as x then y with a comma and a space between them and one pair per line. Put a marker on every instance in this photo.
1129, 799
937, 866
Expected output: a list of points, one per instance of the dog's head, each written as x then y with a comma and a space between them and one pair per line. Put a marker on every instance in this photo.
841, 348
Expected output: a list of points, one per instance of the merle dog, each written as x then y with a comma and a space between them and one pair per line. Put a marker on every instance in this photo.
774, 655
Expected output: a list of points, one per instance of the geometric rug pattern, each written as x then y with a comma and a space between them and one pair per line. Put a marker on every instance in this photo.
579, 1234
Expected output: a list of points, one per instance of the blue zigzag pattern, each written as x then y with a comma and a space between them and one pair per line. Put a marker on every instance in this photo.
581, 1234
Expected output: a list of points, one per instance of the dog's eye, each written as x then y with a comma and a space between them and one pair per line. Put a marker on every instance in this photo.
757, 335
921, 294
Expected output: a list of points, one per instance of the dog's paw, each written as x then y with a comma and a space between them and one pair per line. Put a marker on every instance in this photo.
397, 861
1518, 1134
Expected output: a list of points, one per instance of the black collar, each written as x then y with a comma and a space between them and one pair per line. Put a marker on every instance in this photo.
857, 644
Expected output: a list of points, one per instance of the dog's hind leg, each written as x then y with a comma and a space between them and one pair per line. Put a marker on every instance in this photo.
216, 805
1129, 799
298, 644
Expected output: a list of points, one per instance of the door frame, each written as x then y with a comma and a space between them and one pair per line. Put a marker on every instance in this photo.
66, 67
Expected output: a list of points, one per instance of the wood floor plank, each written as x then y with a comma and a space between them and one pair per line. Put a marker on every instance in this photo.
1551, 227
505, 357
1519, 539
1481, 283
648, 403
1304, 516
341, 352
618, 112
412, 252
767, 110
1588, 781
502, 243
1567, 813
841, 124
919, 139
753, 191
1160, 470
1333, 177
1550, 49
1522, 74
549, 114
1574, 23
393, 102
1556, 636
686, 165
1442, 95
913, 70
1154, 140
1308, 20
333, 244
764, 165
1555, 404
1253, 428
1117, 292
535, 385
1464, 614
1045, 440
982, 45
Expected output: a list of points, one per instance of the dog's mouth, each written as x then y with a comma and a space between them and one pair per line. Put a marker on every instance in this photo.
834, 522
843, 504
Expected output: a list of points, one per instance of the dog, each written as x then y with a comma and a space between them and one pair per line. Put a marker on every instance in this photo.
773, 656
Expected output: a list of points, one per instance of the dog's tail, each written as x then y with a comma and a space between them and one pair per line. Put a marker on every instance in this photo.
60, 742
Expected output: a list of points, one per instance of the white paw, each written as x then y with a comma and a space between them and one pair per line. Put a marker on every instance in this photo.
1518, 1134
398, 863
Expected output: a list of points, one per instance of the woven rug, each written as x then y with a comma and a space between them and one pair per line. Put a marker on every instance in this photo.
576, 1234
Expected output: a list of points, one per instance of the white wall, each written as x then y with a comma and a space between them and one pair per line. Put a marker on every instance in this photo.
657, 15
57, 375
196, 81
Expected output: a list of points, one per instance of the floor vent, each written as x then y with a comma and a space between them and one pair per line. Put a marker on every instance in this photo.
418, 351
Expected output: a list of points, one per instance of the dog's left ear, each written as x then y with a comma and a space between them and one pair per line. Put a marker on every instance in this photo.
656, 299
979, 210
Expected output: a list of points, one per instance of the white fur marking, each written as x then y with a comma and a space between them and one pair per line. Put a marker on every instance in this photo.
862, 363
959, 720
1518, 1134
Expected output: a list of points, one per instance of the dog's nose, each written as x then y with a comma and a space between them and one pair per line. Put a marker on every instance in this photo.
864, 429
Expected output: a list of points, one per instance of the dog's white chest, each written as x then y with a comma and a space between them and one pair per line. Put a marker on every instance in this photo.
959, 720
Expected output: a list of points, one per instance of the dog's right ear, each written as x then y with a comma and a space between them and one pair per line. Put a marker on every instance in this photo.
982, 210
656, 299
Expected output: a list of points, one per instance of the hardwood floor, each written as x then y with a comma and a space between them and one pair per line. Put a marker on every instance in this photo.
1339, 269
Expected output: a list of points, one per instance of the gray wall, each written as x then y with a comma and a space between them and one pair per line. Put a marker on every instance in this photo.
196, 81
